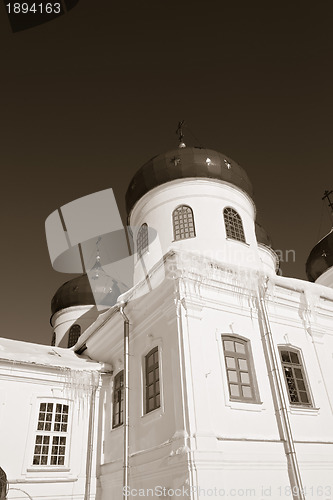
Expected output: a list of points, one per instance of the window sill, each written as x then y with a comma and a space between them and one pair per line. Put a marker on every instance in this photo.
242, 405
121, 426
153, 415
304, 410
238, 241
48, 468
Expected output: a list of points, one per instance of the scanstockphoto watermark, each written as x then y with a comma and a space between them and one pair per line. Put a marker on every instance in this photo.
187, 492
263, 491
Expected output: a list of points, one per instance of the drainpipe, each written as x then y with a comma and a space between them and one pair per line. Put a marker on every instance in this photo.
186, 423
279, 398
90, 444
126, 407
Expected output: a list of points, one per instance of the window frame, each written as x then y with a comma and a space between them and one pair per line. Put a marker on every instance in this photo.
142, 240
152, 369
120, 392
298, 366
51, 434
239, 233
246, 355
182, 225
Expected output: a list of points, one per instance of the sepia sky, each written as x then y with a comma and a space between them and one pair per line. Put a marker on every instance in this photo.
88, 98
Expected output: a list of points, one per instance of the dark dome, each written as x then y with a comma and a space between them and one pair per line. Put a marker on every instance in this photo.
320, 258
77, 292
182, 163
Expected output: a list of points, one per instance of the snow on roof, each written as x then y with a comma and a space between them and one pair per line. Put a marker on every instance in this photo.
26, 352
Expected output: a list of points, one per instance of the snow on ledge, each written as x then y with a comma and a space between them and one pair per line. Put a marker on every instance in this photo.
37, 354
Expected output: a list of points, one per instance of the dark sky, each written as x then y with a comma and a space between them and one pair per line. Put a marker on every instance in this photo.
88, 98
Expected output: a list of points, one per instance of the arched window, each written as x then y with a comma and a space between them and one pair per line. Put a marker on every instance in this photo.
53, 341
152, 380
142, 240
240, 371
294, 374
183, 223
233, 225
118, 400
74, 334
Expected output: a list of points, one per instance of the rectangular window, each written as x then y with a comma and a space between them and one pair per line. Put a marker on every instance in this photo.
298, 390
239, 368
152, 381
118, 400
51, 436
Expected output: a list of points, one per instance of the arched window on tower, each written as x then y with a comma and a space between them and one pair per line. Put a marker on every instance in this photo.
142, 240
73, 335
53, 341
233, 225
183, 223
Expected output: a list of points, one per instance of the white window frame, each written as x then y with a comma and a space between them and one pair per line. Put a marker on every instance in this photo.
51, 434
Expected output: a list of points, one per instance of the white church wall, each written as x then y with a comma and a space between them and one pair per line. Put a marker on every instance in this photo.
24, 387
156, 438
207, 198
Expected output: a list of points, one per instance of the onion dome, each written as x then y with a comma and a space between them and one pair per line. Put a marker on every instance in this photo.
320, 258
182, 163
77, 292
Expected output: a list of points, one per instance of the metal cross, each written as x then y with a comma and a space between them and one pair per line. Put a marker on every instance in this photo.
179, 131
327, 195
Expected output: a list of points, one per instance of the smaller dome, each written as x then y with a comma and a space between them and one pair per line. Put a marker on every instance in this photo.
77, 292
320, 258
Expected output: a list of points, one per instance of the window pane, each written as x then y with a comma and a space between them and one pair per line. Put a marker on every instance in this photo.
245, 379
242, 364
285, 356
301, 385
240, 347
303, 397
229, 345
230, 362
150, 359
246, 391
234, 390
232, 375
294, 357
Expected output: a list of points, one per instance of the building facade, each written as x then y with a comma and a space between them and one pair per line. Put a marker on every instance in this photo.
226, 388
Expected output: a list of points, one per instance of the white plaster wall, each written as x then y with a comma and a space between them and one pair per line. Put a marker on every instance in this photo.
207, 198
22, 388
156, 438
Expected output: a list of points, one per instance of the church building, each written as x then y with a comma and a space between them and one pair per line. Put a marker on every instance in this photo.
210, 377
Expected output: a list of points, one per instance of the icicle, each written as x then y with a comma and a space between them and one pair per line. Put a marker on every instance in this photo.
79, 384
